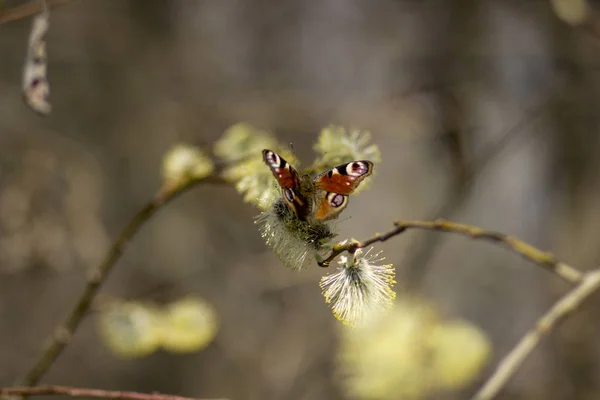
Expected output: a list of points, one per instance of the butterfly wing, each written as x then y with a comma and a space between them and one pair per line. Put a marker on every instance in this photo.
289, 180
338, 183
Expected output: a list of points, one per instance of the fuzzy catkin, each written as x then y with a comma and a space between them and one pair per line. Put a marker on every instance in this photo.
359, 287
293, 241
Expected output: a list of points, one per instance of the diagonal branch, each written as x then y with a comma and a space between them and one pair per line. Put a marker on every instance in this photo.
546, 260
90, 393
561, 309
64, 332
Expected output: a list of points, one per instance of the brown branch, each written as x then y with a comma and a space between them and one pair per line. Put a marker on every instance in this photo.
546, 260
82, 392
28, 9
64, 332
561, 309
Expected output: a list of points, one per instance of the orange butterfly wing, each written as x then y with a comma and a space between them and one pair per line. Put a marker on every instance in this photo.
339, 182
289, 179
285, 174
345, 178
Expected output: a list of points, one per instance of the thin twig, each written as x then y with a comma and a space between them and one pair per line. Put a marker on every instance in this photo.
65, 331
513, 360
83, 392
546, 260
28, 9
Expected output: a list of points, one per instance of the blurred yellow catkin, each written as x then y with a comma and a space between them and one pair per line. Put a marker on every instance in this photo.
184, 162
190, 324
573, 12
241, 146
131, 329
409, 353
241, 141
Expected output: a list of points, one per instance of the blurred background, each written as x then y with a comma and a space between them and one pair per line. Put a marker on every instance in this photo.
485, 112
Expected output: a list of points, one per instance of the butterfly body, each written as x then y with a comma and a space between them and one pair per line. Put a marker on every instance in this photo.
305, 193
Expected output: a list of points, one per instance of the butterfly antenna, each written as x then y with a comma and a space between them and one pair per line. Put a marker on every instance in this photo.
345, 219
317, 162
339, 221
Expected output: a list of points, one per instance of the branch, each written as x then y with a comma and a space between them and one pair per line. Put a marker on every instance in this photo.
82, 392
64, 332
27, 9
589, 284
546, 260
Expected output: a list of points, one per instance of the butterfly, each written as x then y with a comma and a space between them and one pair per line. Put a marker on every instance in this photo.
318, 199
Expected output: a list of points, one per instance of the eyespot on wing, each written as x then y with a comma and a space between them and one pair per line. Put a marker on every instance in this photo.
345, 178
336, 200
283, 172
